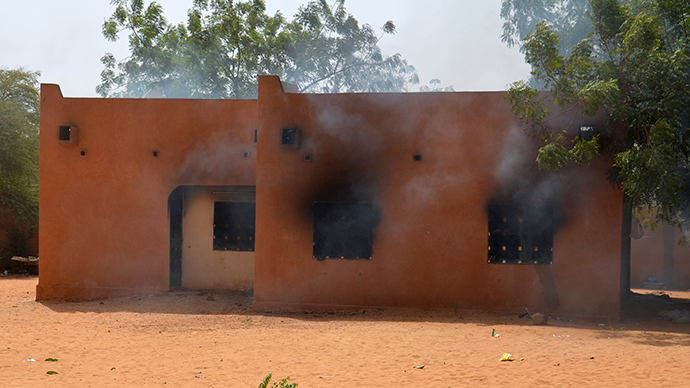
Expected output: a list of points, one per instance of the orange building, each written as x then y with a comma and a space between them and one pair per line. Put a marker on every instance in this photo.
322, 202
658, 260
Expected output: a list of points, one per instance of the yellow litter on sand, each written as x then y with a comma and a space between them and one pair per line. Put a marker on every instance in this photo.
506, 357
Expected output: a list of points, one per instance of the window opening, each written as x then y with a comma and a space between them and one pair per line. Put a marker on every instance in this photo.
67, 134
289, 138
233, 226
520, 235
343, 230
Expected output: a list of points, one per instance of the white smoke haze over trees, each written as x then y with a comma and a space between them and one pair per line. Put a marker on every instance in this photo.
19, 122
19, 110
569, 19
454, 41
225, 45
635, 65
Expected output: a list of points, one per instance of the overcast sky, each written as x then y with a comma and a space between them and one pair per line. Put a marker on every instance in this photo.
456, 41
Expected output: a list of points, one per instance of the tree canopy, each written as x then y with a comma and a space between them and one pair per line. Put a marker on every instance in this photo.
568, 19
19, 121
635, 66
224, 45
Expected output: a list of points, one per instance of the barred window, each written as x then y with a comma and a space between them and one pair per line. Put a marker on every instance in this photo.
233, 226
343, 230
520, 235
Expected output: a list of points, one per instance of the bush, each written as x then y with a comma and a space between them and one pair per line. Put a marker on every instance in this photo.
278, 384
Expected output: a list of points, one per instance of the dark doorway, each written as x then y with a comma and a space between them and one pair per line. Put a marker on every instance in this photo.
175, 211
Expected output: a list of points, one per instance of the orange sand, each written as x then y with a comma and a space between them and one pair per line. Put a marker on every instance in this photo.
184, 340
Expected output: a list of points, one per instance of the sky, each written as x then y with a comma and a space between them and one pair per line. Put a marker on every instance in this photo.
455, 41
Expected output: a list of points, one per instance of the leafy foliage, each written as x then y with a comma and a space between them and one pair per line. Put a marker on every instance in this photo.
278, 384
434, 86
567, 18
226, 44
554, 155
329, 52
635, 67
19, 120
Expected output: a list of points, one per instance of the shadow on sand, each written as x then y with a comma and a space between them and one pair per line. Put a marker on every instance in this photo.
640, 313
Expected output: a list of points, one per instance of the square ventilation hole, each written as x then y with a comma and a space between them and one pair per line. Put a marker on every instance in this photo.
289, 138
67, 134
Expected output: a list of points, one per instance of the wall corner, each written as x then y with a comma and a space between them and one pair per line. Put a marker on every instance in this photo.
50, 91
269, 85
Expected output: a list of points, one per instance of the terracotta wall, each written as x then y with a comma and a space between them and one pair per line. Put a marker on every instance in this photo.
430, 246
647, 259
105, 225
104, 214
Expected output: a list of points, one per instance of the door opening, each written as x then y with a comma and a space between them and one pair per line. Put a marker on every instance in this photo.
212, 237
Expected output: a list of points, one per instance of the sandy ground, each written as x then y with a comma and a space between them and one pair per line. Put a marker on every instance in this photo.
185, 340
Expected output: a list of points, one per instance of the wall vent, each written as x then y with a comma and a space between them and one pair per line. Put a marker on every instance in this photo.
67, 134
289, 138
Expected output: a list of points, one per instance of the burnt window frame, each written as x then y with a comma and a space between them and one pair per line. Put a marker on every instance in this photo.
238, 236
357, 244
520, 234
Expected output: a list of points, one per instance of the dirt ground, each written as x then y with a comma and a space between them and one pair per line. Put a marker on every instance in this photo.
184, 340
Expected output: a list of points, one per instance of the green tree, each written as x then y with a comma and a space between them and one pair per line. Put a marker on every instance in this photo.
434, 86
568, 19
226, 44
636, 68
19, 110
19, 115
329, 52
